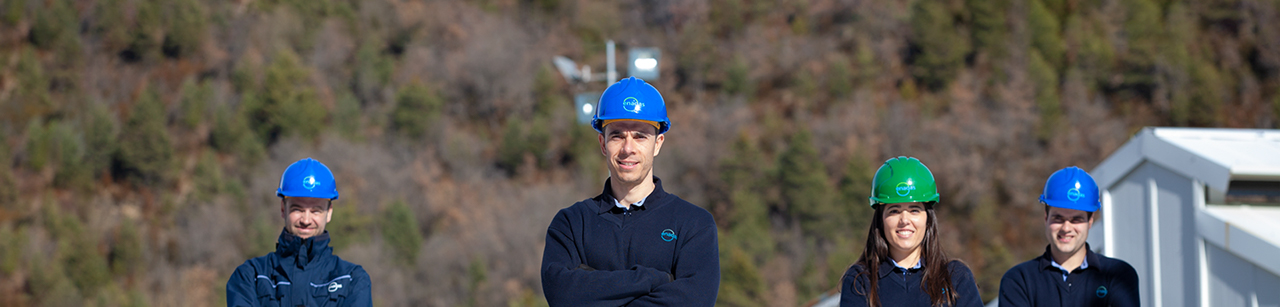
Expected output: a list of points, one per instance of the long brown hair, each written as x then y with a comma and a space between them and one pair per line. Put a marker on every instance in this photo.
937, 276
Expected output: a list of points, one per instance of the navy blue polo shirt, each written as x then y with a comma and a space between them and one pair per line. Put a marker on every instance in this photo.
1039, 282
661, 252
900, 286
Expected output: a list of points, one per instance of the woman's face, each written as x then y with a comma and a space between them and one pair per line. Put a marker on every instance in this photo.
904, 227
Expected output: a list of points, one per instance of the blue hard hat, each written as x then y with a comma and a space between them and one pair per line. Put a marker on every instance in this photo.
631, 99
307, 178
1071, 188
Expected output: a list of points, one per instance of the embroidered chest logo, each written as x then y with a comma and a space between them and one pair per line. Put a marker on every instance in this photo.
1102, 291
334, 286
668, 235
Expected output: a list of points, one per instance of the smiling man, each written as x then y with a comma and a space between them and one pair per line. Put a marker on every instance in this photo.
1069, 273
303, 270
634, 244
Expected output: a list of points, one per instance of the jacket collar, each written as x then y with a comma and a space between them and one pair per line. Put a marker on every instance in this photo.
605, 201
302, 252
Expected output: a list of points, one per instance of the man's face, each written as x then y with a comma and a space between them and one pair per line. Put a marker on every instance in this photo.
1067, 229
904, 226
305, 217
629, 147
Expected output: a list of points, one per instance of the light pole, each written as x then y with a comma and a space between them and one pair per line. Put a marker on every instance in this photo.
642, 62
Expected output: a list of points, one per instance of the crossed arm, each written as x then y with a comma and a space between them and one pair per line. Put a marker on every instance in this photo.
567, 281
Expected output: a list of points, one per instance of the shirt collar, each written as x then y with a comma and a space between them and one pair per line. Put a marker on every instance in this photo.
895, 264
619, 204
605, 199
1083, 264
888, 266
1046, 260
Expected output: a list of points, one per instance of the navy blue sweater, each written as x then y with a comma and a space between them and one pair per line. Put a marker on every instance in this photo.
299, 273
663, 253
898, 287
1106, 282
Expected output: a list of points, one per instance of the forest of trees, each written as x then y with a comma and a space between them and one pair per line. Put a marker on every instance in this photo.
142, 140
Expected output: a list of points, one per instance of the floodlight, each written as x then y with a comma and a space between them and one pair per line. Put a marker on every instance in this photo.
646, 63
567, 68
643, 63
586, 106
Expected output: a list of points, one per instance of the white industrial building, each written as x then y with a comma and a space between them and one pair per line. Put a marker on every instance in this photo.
1197, 214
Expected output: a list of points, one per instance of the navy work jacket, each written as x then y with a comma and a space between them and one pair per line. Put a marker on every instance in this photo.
299, 273
901, 287
1106, 282
663, 253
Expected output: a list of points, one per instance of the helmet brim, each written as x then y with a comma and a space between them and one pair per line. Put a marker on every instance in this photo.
1082, 206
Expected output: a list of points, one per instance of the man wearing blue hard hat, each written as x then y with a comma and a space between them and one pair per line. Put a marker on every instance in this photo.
634, 244
303, 270
1069, 273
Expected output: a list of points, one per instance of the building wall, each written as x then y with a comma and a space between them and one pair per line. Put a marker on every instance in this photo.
1130, 228
1267, 285
1237, 282
1174, 266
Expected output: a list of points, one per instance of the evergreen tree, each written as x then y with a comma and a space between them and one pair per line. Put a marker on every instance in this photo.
102, 132
941, 49
1046, 33
126, 250
855, 191
287, 103
1144, 38
1045, 80
806, 193
740, 281
186, 22
417, 106
400, 230
748, 221
989, 30
68, 151
231, 135
145, 154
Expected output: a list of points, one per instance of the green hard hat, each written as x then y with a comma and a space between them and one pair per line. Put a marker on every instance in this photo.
903, 180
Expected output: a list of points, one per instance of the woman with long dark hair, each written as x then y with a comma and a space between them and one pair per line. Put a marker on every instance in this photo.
903, 263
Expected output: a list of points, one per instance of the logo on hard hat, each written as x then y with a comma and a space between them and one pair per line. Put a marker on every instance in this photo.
1074, 193
309, 182
905, 188
668, 235
631, 104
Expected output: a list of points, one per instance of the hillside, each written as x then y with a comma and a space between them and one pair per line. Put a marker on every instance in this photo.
143, 139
